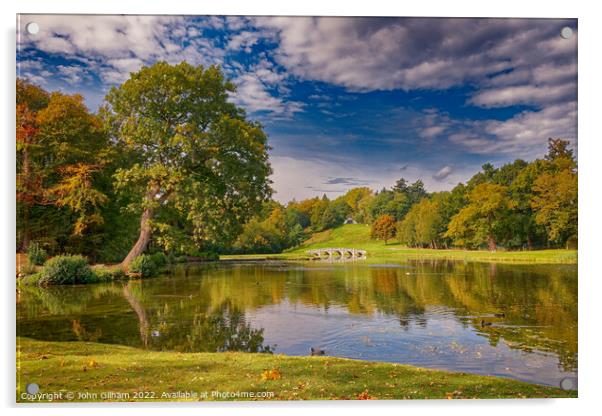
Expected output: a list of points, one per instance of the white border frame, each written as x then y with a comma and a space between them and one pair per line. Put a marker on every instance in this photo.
590, 151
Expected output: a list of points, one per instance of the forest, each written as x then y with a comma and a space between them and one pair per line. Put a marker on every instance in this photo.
168, 164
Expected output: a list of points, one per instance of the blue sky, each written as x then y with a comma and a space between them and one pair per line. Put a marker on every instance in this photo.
345, 101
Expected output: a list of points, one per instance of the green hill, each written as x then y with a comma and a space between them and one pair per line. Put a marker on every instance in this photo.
358, 236
348, 236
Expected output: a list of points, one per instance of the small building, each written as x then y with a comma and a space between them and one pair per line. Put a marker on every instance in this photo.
350, 220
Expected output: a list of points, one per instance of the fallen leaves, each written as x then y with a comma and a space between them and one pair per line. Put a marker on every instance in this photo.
273, 374
456, 394
365, 396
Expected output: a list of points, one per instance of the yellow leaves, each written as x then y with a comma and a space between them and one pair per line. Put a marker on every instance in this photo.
273, 374
91, 365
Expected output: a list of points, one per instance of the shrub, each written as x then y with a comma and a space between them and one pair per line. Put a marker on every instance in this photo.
160, 259
30, 280
182, 259
108, 274
62, 270
143, 265
36, 255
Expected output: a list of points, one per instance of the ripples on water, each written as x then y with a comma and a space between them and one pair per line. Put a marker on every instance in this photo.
427, 314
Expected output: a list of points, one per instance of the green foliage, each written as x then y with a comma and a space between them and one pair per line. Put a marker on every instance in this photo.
31, 279
170, 145
423, 225
160, 259
480, 220
63, 270
196, 160
144, 266
36, 255
108, 273
555, 203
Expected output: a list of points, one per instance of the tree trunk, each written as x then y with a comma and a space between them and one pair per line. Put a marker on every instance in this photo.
143, 238
145, 224
491, 242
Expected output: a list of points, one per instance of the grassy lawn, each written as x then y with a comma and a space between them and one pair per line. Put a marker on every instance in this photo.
97, 368
358, 236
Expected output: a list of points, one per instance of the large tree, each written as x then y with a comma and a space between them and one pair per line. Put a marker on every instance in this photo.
192, 151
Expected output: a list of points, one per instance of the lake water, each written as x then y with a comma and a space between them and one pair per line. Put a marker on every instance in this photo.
427, 314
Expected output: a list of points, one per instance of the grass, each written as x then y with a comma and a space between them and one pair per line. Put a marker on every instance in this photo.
358, 236
95, 368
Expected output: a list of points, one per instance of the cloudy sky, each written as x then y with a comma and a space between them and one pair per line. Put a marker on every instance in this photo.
346, 101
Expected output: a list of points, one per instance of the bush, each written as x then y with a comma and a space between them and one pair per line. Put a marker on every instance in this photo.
108, 274
160, 259
143, 265
30, 280
36, 255
63, 270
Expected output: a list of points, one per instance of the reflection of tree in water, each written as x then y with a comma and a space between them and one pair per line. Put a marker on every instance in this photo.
221, 329
83, 334
137, 307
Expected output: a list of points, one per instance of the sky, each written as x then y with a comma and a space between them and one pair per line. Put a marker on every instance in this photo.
345, 101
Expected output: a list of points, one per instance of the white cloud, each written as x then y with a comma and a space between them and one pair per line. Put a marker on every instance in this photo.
366, 54
524, 135
262, 88
430, 132
116, 45
525, 94
443, 173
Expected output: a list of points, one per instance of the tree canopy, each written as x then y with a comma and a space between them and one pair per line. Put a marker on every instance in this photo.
192, 151
170, 164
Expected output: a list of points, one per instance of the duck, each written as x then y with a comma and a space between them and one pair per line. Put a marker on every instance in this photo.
316, 351
499, 315
483, 323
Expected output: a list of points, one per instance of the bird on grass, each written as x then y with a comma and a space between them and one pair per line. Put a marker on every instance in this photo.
483, 323
499, 315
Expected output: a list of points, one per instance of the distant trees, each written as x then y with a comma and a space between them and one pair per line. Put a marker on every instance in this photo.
480, 220
424, 224
383, 228
555, 194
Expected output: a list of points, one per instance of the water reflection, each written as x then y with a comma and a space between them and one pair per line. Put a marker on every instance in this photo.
424, 313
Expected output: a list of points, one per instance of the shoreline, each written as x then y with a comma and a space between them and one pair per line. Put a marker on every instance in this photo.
551, 256
93, 369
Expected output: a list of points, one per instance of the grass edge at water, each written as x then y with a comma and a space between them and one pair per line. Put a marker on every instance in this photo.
95, 368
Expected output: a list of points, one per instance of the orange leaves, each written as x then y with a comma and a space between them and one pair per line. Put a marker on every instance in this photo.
456, 394
273, 374
365, 396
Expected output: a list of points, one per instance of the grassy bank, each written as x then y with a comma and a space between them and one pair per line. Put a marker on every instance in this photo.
358, 236
96, 368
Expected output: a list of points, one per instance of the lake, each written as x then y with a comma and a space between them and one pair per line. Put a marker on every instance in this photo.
516, 321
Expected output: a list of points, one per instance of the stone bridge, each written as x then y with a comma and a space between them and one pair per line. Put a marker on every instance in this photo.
343, 253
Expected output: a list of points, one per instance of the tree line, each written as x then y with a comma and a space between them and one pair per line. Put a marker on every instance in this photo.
520, 205
169, 164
